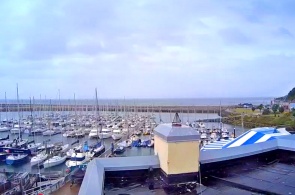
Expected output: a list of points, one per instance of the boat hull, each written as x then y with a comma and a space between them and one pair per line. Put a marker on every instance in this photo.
55, 163
16, 161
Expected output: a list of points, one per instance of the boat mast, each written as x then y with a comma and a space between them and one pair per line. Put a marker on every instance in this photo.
97, 113
19, 134
32, 118
6, 108
220, 115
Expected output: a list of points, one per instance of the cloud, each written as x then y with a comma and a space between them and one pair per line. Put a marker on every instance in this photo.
146, 48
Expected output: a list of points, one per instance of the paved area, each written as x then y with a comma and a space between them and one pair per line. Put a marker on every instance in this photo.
68, 190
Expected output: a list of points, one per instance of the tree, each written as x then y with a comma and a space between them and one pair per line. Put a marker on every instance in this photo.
275, 108
253, 108
260, 107
266, 112
281, 109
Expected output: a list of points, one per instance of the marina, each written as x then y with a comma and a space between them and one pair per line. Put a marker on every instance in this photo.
70, 144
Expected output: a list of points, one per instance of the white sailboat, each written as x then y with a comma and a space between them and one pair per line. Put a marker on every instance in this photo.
4, 128
93, 133
117, 134
54, 161
39, 158
105, 133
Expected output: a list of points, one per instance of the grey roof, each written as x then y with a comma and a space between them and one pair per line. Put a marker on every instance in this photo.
93, 182
129, 163
172, 133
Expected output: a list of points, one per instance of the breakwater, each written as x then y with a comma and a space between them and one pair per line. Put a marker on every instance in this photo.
113, 108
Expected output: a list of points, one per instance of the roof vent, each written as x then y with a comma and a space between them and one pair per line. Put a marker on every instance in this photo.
176, 121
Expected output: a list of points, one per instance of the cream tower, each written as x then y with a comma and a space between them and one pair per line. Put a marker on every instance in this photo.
177, 147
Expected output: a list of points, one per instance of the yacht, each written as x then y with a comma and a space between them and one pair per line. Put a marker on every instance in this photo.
79, 133
16, 159
54, 161
93, 133
77, 159
73, 150
105, 133
38, 159
117, 134
4, 128
48, 132
15, 130
69, 134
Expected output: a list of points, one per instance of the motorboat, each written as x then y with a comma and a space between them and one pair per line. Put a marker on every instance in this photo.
77, 159
105, 133
79, 133
69, 134
73, 150
54, 161
16, 159
117, 134
48, 146
97, 150
34, 146
39, 158
93, 133
37, 131
15, 130
48, 133
87, 130
119, 150
125, 144
4, 128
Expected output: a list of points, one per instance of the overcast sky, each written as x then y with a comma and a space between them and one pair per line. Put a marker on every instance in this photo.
147, 49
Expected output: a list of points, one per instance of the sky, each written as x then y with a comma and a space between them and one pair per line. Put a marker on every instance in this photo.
147, 48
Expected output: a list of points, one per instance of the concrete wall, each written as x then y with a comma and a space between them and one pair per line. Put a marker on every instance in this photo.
161, 149
183, 157
177, 158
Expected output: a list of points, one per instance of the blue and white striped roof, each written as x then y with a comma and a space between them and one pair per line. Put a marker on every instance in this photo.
252, 136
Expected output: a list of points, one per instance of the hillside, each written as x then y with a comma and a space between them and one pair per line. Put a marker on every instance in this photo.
290, 96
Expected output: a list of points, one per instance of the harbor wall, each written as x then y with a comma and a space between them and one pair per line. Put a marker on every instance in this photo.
113, 108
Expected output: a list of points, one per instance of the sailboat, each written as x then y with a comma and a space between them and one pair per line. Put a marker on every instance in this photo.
117, 134
39, 158
54, 161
